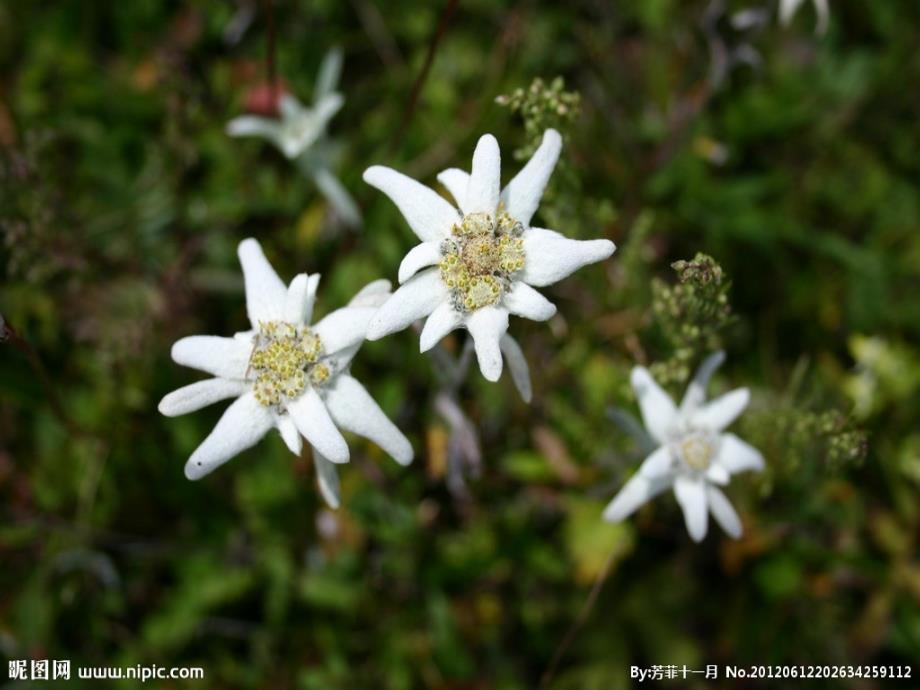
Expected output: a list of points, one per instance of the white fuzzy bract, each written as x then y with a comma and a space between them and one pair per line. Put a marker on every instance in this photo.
300, 132
286, 374
298, 128
694, 457
479, 260
788, 9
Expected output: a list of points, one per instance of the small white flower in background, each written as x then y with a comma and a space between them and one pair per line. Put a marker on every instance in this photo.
300, 132
479, 262
286, 374
694, 456
788, 8
298, 128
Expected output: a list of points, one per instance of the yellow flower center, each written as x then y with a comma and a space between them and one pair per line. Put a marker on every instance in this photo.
697, 451
480, 258
284, 359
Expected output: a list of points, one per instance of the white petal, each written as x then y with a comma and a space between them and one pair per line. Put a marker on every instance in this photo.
292, 147
344, 327
522, 195
658, 411
419, 257
737, 456
312, 285
691, 495
326, 108
718, 474
633, 494
658, 464
428, 214
224, 357
341, 360
787, 9
200, 394
442, 321
719, 413
330, 69
353, 409
265, 293
289, 434
484, 184
373, 294
550, 257
338, 196
522, 300
289, 107
242, 425
517, 364
723, 512
420, 296
696, 391
487, 326
456, 180
637, 491
249, 125
328, 480
313, 421
299, 298
824, 14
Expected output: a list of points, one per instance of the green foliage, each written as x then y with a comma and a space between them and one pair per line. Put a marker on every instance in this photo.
691, 316
886, 373
826, 441
541, 107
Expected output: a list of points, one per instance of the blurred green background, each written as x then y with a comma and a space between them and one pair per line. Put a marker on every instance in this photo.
122, 204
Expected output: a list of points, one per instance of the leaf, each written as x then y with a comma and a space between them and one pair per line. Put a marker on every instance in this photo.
591, 541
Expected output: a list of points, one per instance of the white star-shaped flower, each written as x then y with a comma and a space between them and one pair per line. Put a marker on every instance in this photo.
788, 8
480, 261
300, 132
694, 457
299, 126
286, 374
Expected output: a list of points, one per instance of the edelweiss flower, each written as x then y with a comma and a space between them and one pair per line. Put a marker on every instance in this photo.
299, 127
299, 130
788, 8
695, 457
286, 374
478, 264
